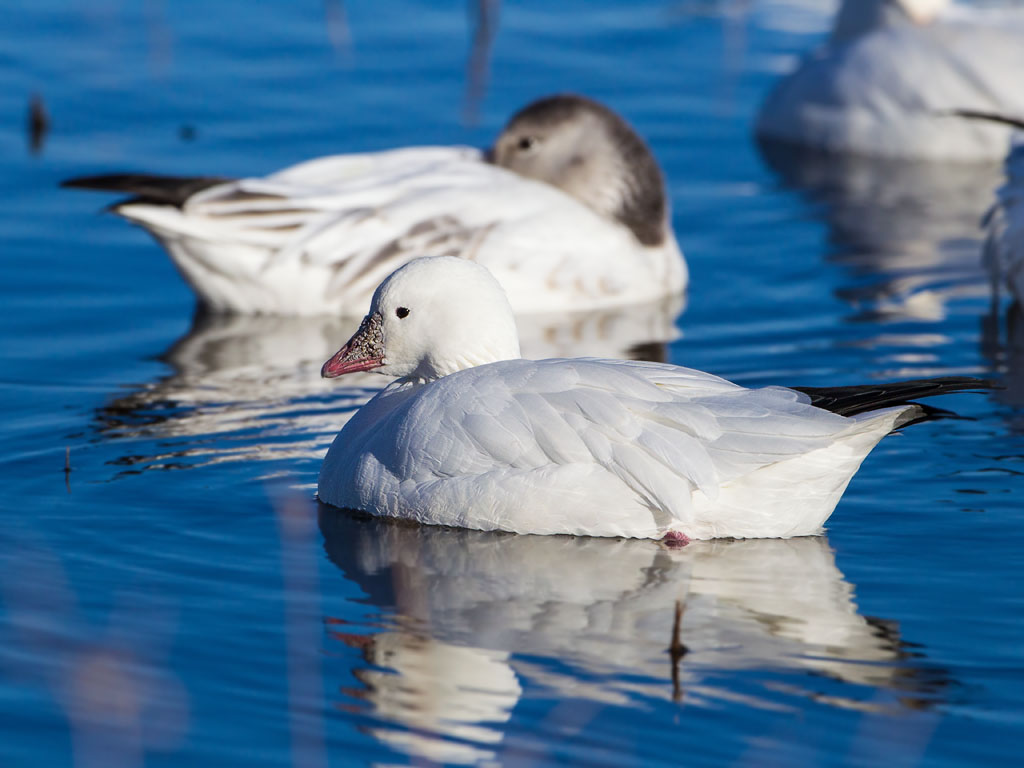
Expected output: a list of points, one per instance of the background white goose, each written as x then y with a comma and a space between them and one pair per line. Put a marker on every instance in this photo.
473, 436
884, 82
567, 209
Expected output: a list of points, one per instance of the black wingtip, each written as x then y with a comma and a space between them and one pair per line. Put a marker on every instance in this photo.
147, 188
114, 182
863, 398
991, 117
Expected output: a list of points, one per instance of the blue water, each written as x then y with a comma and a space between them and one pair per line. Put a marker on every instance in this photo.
178, 598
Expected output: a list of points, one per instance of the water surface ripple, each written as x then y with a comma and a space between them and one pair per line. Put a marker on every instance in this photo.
179, 598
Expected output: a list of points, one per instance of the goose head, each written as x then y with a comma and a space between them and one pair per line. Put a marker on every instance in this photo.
589, 152
430, 318
858, 17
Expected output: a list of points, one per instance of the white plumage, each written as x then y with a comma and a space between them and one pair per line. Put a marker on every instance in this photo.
472, 436
599, 448
570, 215
891, 73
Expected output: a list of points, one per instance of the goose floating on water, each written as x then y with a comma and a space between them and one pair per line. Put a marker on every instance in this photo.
473, 436
885, 81
567, 209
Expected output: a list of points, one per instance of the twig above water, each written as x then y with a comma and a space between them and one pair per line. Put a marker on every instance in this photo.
676, 650
483, 17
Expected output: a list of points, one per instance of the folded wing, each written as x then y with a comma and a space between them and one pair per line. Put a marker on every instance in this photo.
661, 432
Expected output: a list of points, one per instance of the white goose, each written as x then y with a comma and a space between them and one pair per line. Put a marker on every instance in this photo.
884, 82
473, 436
567, 209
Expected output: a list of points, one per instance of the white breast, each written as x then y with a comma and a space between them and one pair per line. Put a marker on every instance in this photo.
601, 448
317, 238
888, 92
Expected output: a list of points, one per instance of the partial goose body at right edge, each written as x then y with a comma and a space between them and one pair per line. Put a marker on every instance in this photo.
1004, 224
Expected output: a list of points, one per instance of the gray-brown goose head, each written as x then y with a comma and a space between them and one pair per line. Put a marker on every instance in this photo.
588, 151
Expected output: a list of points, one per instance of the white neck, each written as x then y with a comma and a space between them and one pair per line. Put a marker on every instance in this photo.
436, 366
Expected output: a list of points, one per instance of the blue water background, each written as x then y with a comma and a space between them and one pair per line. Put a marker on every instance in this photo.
178, 598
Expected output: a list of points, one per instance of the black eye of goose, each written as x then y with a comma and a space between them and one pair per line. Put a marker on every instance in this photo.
402, 312
526, 142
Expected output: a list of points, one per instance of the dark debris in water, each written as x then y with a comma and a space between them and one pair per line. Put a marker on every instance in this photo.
38, 124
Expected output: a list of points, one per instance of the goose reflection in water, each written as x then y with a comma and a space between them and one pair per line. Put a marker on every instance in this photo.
254, 381
1002, 343
907, 232
471, 622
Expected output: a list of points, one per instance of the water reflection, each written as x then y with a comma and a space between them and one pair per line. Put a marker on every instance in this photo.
468, 620
1002, 344
907, 232
253, 380
256, 380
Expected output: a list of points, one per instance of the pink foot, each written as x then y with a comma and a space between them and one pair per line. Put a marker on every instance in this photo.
675, 539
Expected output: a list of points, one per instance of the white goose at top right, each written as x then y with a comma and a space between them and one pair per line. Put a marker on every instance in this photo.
891, 74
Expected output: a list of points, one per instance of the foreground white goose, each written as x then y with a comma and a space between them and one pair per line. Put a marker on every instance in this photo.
473, 436
884, 82
567, 209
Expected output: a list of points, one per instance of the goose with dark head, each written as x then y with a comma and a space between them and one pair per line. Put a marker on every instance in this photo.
588, 151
